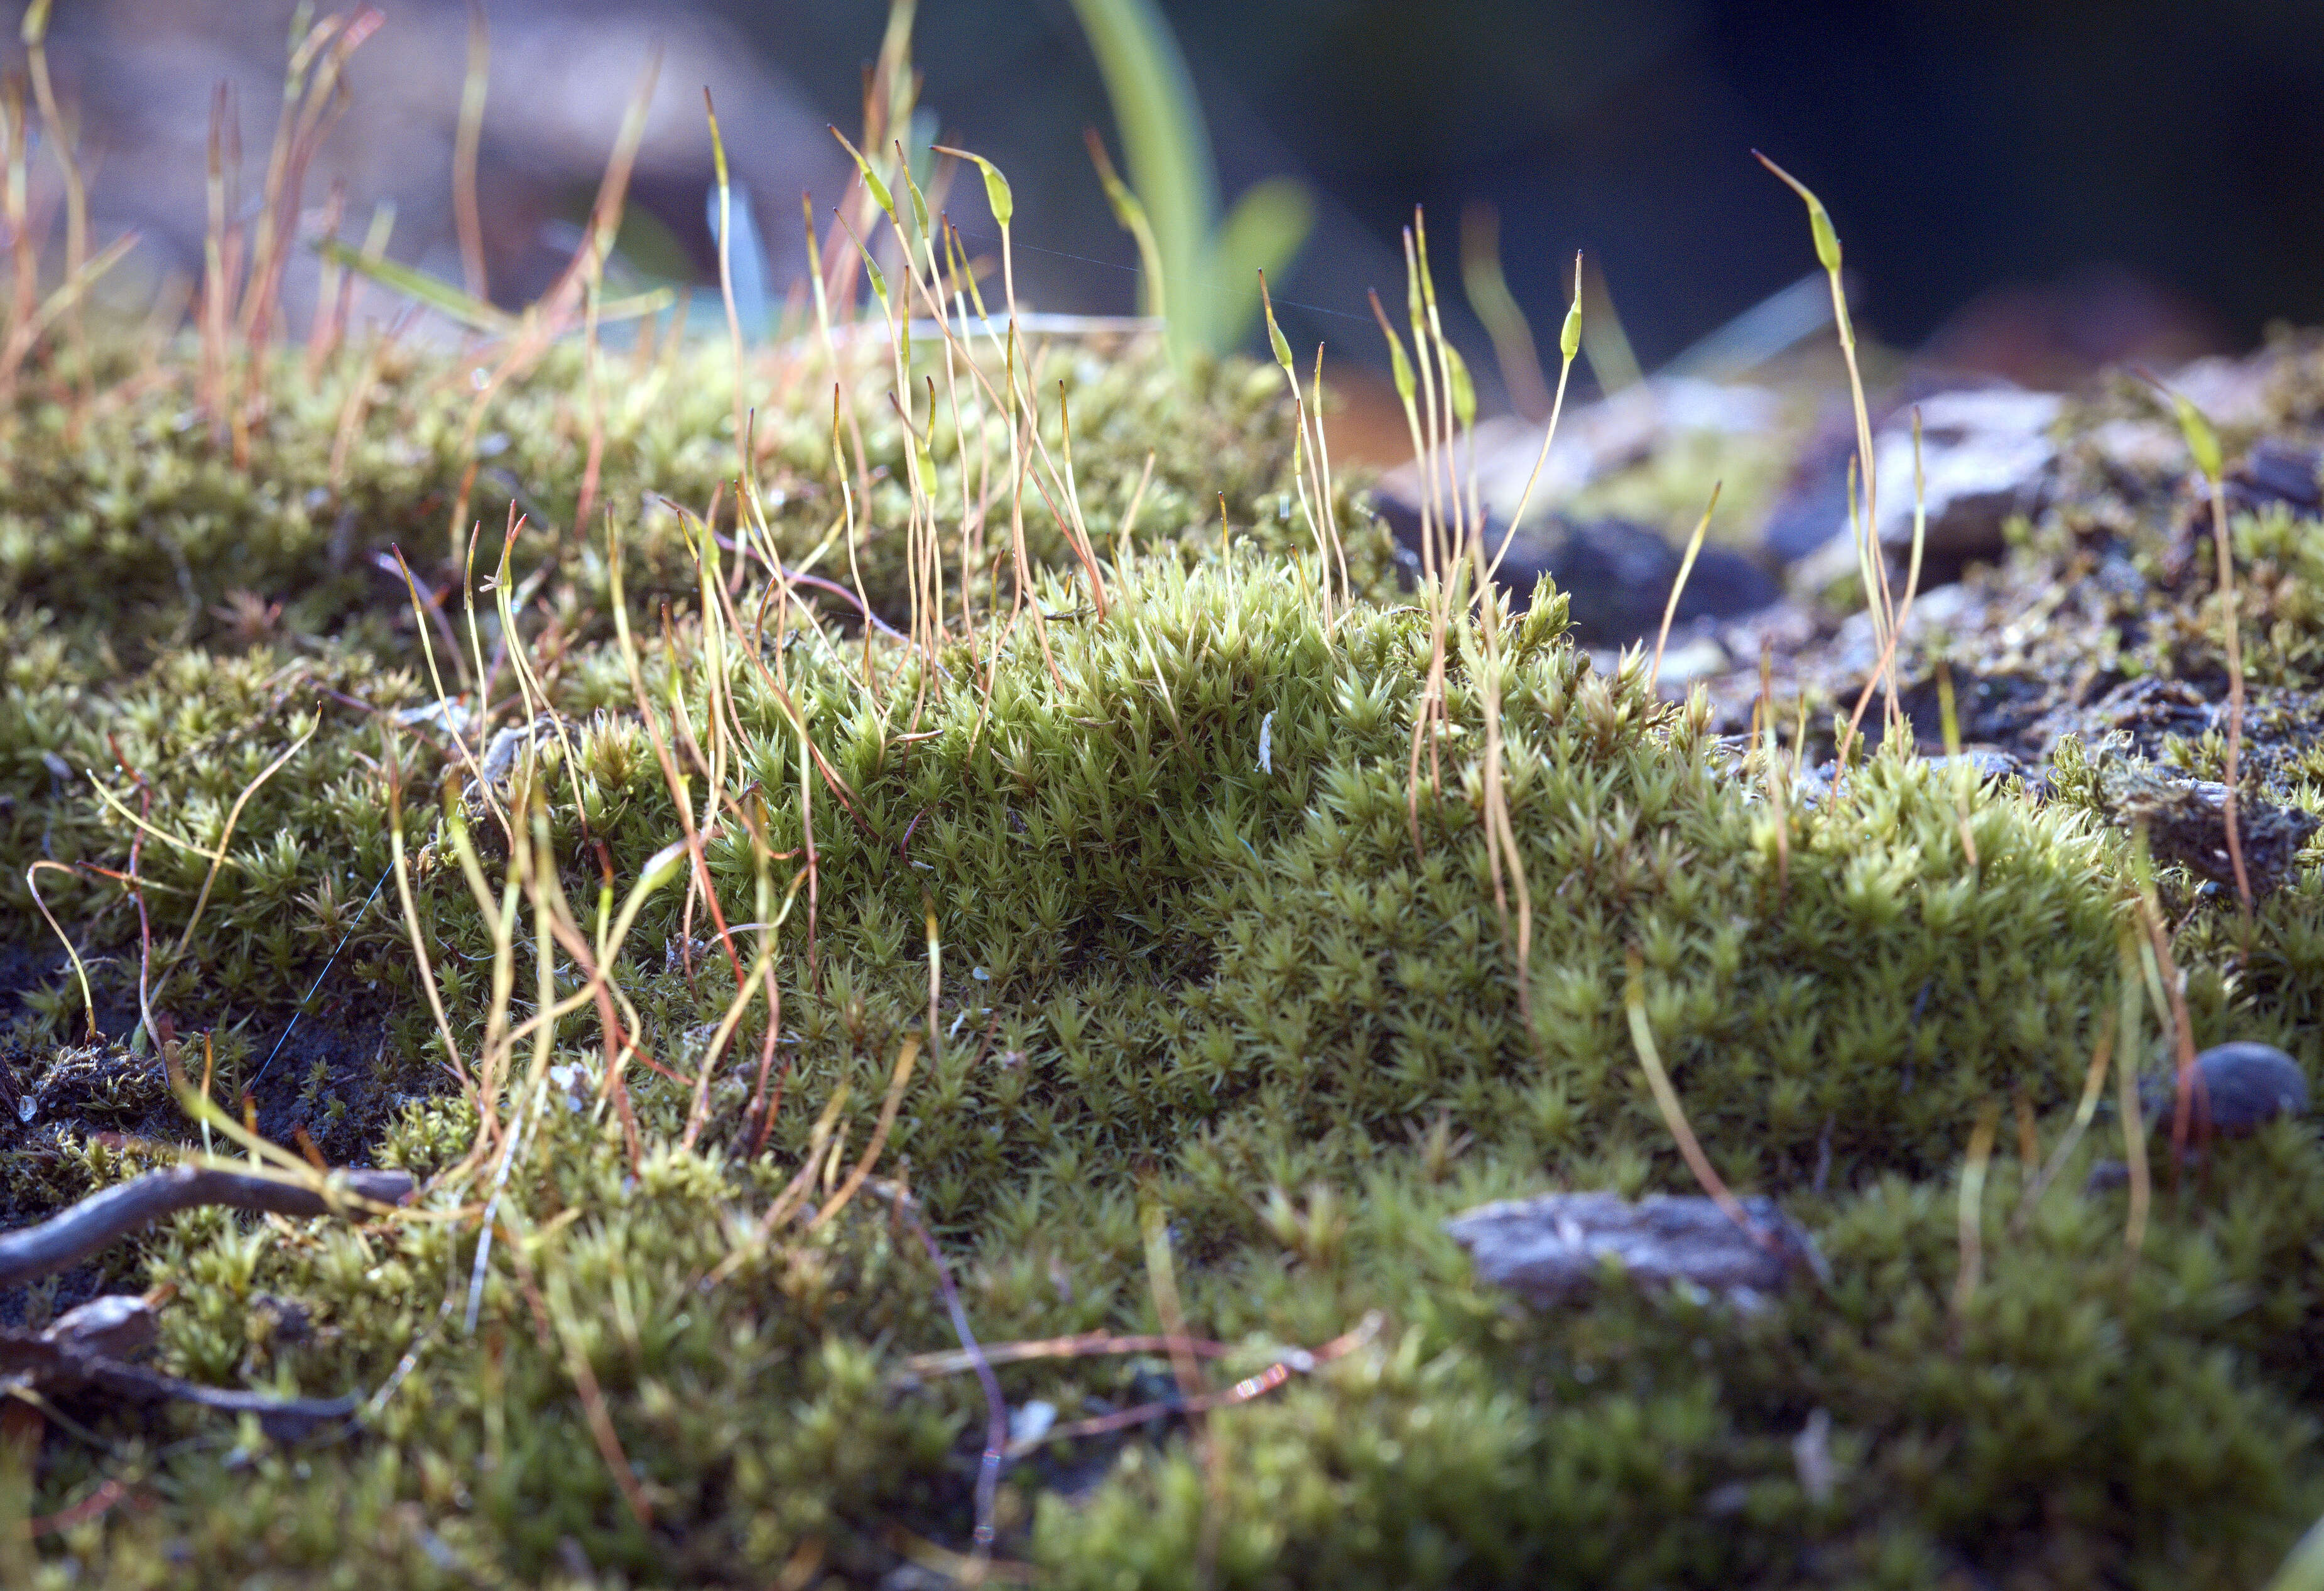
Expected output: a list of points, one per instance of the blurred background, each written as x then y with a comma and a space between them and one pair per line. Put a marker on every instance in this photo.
2030, 191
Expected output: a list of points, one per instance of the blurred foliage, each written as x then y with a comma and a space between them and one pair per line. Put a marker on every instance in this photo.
1209, 266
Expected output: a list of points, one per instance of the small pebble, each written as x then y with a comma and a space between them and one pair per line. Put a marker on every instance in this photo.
2237, 1089
1031, 1421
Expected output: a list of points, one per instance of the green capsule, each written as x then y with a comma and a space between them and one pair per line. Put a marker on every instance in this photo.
878, 189
2202, 441
1464, 391
997, 196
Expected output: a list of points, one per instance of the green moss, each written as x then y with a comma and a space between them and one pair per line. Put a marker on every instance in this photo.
133, 524
1191, 959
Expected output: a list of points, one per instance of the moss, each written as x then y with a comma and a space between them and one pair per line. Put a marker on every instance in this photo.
133, 526
1650, 1441
1192, 960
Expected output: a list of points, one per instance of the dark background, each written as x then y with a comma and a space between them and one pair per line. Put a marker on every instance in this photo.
2102, 178
2093, 147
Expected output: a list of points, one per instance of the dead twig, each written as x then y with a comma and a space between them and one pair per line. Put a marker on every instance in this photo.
1298, 1361
996, 1407
1086, 1345
74, 1234
62, 1362
83, 1350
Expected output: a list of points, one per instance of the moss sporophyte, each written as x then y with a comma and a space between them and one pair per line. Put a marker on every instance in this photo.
940, 962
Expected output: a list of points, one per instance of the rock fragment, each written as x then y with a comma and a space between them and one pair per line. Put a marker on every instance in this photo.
2278, 471
2186, 822
117, 1325
1987, 454
1617, 574
2236, 1089
1556, 1247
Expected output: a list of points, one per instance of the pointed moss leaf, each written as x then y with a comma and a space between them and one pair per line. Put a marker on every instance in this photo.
997, 196
2202, 441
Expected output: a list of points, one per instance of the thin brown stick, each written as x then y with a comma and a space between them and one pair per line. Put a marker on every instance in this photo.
897, 1080
1678, 588
1083, 1345
38, 1364
2234, 625
1972, 1210
1642, 1039
1299, 1361
72, 1234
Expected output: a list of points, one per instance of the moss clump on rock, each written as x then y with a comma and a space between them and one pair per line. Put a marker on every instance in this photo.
1115, 947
